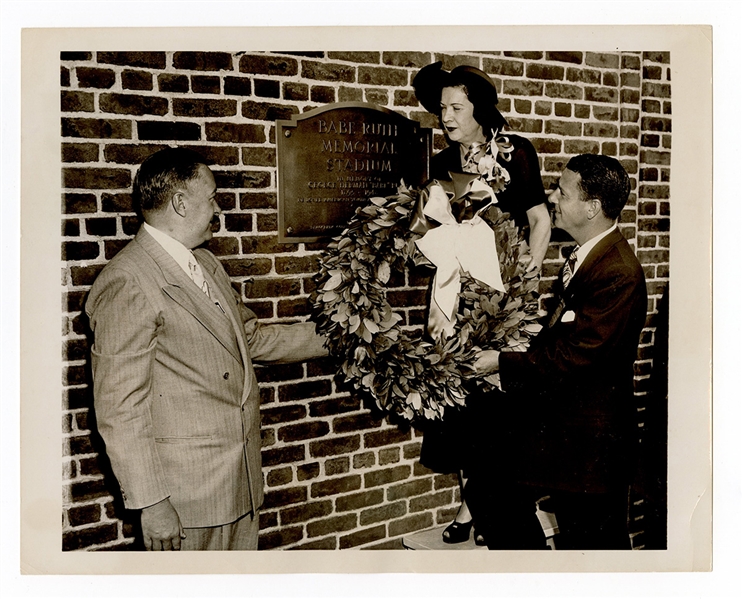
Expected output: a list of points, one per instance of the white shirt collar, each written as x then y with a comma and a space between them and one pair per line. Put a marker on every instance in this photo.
582, 252
179, 252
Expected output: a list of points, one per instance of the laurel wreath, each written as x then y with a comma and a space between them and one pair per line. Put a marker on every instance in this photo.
405, 373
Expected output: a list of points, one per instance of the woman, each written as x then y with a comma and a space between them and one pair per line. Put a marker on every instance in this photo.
465, 101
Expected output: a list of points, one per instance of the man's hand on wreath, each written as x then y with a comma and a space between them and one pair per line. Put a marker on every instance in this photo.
486, 362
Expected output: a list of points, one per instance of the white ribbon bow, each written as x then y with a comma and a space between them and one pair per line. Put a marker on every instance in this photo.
468, 246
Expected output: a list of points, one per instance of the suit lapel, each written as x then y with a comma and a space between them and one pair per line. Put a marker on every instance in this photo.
180, 288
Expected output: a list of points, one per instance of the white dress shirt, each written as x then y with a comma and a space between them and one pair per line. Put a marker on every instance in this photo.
179, 252
582, 251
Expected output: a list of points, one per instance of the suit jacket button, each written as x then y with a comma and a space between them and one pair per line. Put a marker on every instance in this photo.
226, 375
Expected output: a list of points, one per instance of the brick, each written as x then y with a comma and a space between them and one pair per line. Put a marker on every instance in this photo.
337, 446
73, 101
74, 375
138, 80
296, 91
96, 128
390, 455
90, 467
308, 471
205, 84
279, 476
411, 450
326, 543
377, 96
203, 61
274, 288
293, 307
130, 153
346, 424
95, 77
542, 108
267, 222
658, 192
282, 414
296, 264
242, 179
609, 148
81, 397
545, 145
383, 513
246, 268
75, 56
566, 128
237, 86
600, 130
264, 111
64, 77
629, 131
71, 228
259, 157
406, 298
428, 502
266, 88
331, 525
153, 60
583, 75
522, 88
525, 125
235, 132
75, 349
351, 94
336, 486
410, 524
563, 109
193, 107
304, 390
610, 79
79, 203
606, 113
601, 94
362, 537
386, 437
630, 62
655, 124
630, 79
337, 466
333, 72
279, 372
661, 57
96, 535
279, 538
336, 405
409, 489
167, 82
306, 511
606, 61
263, 244
101, 227
563, 90
394, 59
444, 481
656, 90
303, 431
507, 68
73, 300
280, 498
117, 202
357, 501
571, 57
176, 131
653, 157
538, 71
88, 490
283, 455
80, 250
386, 476
581, 146
250, 201
268, 65
582, 111
79, 152
268, 520
96, 178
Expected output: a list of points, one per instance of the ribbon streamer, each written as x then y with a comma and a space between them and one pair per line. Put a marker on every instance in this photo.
452, 247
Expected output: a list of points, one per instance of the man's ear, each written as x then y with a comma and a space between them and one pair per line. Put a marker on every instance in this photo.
593, 208
178, 203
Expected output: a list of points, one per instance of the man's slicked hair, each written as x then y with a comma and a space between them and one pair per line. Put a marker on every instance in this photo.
161, 174
602, 178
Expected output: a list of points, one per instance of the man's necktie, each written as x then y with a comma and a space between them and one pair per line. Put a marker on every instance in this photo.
471, 163
568, 269
197, 275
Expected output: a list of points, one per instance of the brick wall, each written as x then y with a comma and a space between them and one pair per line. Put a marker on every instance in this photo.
337, 474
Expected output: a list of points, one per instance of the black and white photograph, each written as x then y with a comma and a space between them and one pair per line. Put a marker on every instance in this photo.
320, 297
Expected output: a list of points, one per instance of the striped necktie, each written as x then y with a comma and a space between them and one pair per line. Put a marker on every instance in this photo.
197, 275
471, 163
568, 269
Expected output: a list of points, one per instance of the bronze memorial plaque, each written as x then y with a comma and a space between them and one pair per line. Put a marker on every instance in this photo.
332, 159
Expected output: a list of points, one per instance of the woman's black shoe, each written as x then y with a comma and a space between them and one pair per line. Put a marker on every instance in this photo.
457, 532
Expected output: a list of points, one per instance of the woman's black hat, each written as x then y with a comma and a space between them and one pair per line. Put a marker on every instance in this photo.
431, 79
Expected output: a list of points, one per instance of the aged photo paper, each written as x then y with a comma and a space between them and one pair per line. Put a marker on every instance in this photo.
689, 463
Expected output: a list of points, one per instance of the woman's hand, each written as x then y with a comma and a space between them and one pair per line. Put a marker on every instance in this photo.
486, 362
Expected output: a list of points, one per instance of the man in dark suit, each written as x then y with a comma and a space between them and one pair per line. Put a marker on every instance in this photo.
565, 427
175, 393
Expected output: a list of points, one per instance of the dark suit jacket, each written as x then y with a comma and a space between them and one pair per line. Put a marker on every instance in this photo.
573, 418
176, 396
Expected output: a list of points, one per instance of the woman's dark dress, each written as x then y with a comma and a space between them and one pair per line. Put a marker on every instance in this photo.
448, 443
